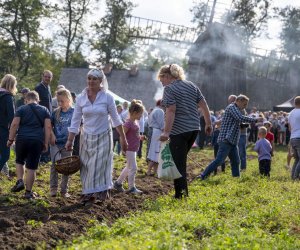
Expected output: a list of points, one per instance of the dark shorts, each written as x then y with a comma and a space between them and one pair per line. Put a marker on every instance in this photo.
29, 151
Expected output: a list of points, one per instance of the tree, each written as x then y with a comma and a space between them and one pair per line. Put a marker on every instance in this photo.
201, 13
111, 39
19, 24
249, 17
71, 15
290, 34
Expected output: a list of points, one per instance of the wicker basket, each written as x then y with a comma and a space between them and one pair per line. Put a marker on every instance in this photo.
68, 165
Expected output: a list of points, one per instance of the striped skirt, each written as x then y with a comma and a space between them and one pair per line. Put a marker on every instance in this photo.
96, 157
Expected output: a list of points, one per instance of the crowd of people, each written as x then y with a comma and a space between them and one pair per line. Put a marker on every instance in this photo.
94, 126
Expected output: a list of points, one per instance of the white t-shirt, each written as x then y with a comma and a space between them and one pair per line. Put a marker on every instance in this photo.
294, 121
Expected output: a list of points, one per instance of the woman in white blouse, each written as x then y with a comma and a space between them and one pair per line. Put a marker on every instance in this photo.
95, 107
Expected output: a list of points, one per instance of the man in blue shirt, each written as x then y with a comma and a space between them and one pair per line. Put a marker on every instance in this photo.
229, 136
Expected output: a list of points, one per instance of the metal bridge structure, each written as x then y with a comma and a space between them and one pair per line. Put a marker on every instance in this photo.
260, 63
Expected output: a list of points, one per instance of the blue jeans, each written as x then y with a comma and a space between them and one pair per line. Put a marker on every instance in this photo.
225, 149
242, 151
4, 150
295, 142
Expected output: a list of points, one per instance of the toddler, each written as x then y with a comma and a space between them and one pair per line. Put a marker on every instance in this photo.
263, 148
132, 132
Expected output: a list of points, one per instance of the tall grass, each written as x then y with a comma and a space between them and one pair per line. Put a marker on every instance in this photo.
250, 212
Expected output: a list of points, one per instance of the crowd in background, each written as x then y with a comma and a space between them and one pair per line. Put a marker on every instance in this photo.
82, 126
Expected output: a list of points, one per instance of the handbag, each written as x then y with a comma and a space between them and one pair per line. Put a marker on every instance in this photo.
167, 169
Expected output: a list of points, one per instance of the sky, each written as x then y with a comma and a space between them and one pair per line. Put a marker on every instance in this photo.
178, 12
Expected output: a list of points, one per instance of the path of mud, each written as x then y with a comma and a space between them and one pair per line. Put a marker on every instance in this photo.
25, 225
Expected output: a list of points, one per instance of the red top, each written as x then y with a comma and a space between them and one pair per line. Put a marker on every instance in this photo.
270, 137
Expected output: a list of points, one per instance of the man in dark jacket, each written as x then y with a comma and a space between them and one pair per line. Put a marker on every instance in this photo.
44, 91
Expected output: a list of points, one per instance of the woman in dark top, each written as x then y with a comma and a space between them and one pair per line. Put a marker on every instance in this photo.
7, 109
30, 128
182, 99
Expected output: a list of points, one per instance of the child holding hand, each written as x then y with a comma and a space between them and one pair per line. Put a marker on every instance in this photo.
263, 148
132, 132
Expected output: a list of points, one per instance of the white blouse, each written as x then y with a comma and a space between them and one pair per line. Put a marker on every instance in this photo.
95, 116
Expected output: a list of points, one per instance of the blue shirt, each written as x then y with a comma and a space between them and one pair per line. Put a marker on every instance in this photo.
263, 148
60, 125
230, 126
30, 127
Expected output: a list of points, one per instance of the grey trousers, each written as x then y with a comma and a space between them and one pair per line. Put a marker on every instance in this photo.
295, 143
53, 173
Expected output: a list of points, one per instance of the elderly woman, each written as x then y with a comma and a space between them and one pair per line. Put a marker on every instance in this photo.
7, 109
95, 107
182, 99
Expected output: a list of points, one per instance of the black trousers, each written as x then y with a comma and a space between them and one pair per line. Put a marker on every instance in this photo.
265, 167
180, 145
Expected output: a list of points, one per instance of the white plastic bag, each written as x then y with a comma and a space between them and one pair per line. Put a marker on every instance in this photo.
167, 169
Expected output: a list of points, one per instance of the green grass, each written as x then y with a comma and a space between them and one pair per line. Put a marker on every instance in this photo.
222, 212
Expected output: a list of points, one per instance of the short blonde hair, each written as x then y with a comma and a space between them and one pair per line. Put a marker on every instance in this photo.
32, 95
48, 71
262, 130
297, 101
173, 70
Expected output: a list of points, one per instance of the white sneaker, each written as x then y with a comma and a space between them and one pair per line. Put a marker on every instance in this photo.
134, 190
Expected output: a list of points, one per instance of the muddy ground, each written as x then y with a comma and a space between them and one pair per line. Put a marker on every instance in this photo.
29, 224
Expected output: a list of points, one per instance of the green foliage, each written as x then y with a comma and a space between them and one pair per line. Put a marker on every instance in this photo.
34, 223
71, 15
201, 12
222, 212
249, 17
111, 38
19, 24
290, 34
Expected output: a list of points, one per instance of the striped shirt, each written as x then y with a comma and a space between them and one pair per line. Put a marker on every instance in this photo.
186, 96
230, 126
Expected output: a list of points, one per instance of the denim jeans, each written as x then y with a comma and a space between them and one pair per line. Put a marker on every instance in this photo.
225, 149
242, 151
295, 142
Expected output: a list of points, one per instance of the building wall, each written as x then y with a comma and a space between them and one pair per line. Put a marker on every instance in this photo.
143, 86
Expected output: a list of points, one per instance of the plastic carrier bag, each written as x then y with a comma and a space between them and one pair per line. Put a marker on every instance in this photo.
167, 169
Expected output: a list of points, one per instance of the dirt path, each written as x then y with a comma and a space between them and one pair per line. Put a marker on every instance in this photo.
46, 221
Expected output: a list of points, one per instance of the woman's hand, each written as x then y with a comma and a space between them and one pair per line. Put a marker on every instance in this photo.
69, 145
45, 147
9, 143
164, 136
208, 129
124, 144
52, 140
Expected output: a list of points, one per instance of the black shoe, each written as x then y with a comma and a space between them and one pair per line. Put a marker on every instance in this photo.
18, 187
